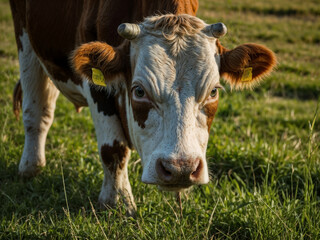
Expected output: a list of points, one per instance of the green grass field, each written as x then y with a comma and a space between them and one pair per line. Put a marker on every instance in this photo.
263, 152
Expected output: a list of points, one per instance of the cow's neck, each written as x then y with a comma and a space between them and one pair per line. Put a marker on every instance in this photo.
146, 8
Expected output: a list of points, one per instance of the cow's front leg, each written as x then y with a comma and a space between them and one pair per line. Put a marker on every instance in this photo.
114, 151
116, 184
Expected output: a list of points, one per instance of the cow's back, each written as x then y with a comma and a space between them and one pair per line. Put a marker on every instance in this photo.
55, 28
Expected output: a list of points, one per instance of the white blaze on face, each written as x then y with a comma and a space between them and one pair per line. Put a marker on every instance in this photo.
169, 121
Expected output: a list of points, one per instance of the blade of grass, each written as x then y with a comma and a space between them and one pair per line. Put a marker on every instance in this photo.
67, 212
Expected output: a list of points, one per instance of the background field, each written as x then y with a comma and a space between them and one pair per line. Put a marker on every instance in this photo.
263, 152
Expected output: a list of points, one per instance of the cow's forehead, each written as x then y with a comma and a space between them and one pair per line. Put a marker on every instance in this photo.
160, 68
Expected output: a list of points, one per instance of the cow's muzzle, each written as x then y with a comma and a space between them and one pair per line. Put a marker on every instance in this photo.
179, 173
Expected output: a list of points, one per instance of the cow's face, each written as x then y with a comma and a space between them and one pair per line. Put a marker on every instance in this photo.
172, 100
172, 96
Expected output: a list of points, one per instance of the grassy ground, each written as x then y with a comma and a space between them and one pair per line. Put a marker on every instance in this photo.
263, 152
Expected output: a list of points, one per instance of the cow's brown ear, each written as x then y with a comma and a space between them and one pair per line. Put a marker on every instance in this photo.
245, 65
94, 58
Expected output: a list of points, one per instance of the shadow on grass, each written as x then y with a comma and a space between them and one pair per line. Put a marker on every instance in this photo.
251, 169
279, 12
45, 235
305, 92
289, 90
45, 192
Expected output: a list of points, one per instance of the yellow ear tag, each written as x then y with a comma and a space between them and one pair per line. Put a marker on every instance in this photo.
98, 78
247, 75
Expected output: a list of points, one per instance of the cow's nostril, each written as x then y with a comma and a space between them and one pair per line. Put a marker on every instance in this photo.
196, 174
164, 170
164, 173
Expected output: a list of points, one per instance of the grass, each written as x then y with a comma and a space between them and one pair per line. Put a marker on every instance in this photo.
263, 152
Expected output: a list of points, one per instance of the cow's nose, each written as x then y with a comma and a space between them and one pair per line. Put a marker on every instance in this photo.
179, 171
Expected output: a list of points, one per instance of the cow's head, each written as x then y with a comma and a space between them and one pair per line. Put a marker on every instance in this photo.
171, 77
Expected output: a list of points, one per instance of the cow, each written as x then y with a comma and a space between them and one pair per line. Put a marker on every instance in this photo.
148, 70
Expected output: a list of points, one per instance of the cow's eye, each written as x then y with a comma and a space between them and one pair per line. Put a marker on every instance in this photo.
139, 92
214, 92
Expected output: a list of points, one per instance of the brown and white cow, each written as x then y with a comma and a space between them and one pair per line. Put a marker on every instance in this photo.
162, 79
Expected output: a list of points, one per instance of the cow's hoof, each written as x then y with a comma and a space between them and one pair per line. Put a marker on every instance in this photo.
29, 174
131, 212
102, 206
29, 171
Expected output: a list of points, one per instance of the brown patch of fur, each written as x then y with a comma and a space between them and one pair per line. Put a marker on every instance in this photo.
187, 6
105, 100
233, 62
122, 113
114, 157
121, 11
146, 8
221, 49
210, 110
140, 112
17, 99
51, 27
87, 29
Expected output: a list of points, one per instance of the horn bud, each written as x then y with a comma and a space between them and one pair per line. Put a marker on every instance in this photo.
129, 30
217, 30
